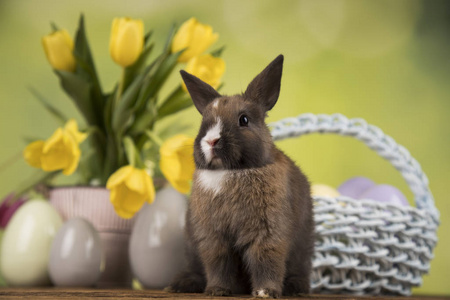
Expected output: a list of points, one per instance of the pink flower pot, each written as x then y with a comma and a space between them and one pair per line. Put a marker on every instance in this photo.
92, 204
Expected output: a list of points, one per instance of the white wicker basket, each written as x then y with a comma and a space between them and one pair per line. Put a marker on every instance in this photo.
364, 246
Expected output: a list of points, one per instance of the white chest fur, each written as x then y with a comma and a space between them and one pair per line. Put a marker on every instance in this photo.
212, 180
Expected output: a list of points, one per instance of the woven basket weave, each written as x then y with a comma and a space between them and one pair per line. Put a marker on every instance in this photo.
364, 246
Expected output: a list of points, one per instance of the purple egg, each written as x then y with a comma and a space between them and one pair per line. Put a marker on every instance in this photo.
7, 210
355, 187
5, 205
10, 212
385, 193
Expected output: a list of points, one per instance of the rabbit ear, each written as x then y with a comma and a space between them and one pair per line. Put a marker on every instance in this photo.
201, 92
265, 88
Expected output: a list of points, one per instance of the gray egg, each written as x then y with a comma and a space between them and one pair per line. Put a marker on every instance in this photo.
157, 240
76, 255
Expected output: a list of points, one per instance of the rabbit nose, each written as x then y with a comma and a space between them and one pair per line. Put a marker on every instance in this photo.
213, 142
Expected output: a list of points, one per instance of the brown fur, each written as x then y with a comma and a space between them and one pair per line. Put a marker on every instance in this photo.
256, 234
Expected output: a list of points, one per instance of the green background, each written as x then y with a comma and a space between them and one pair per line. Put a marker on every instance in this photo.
384, 61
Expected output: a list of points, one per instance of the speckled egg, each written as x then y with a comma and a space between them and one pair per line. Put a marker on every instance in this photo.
76, 255
26, 244
157, 240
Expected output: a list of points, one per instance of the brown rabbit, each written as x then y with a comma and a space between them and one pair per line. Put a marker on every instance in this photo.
249, 223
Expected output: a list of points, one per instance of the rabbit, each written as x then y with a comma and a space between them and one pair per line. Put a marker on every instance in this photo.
249, 224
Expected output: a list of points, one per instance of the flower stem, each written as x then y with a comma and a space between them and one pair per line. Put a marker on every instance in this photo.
156, 139
120, 88
38, 177
118, 135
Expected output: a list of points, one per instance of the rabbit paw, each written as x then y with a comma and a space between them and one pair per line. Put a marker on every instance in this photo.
187, 283
217, 291
266, 293
296, 286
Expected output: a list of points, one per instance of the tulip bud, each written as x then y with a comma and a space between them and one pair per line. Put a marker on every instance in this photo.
58, 47
177, 162
59, 152
127, 40
193, 36
129, 189
207, 68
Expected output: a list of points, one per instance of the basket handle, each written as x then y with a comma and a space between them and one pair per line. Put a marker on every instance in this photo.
370, 135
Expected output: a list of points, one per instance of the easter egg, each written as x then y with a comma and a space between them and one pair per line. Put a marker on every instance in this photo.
7, 209
385, 193
157, 240
9, 212
355, 186
26, 244
323, 190
76, 255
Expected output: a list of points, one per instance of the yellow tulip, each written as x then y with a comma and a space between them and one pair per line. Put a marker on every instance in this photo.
127, 40
193, 36
60, 152
177, 162
206, 67
33, 153
58, 47
129, 189
72, 128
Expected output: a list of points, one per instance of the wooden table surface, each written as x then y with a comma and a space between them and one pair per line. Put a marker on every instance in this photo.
96, 294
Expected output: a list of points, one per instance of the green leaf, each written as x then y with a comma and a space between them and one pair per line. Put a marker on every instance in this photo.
95, 131
170, 36
80, 91
8, 162
83, 51
176, 102
176, 93
132, 71
132, 153
154, 138
130, 150
124, 109
145, 119
142, 122
218, 52
173, 128
111, 159
110, 163
37, 178
147, 37
60, 117
166, 62
149, 71
54, 26
29, 139
86, 69
153, 84
174, 107
88, 167
107, 115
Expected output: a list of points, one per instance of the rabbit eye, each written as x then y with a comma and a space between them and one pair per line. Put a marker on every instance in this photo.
243, 120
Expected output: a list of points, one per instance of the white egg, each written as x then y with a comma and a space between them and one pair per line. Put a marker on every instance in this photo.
157, 240
76, 255
26, 244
